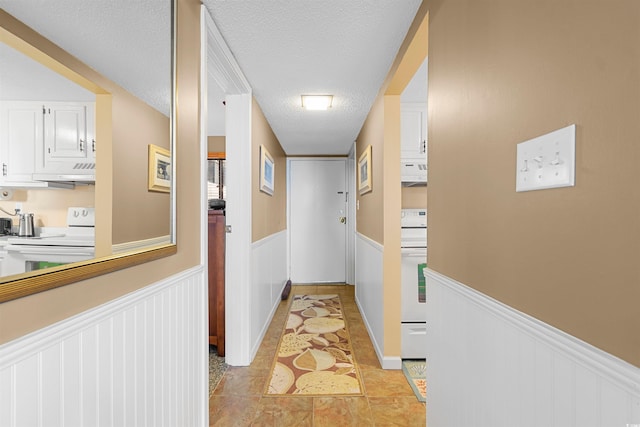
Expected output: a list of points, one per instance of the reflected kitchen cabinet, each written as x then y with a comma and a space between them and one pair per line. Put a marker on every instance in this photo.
21, 127
52, 141
69, 145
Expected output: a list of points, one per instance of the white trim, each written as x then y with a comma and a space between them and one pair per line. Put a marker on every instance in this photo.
140, 356
493, 364
224, 70
204, 203
238, 315
288, 207
369, 295
23, 347
140, 244
351, 216
204, 90
375, 245
625, 375
389, 362
268, 239
269, 275
222, 65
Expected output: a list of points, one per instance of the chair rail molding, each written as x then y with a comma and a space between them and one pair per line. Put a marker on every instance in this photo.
489, 364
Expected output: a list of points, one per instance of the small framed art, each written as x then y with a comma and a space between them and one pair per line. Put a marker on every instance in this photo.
267, 171
159, 169
364, 171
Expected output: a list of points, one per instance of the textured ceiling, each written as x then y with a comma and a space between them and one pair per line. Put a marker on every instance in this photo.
288, 48
127, 41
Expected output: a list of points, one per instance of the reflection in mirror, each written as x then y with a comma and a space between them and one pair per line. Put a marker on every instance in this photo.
79, 114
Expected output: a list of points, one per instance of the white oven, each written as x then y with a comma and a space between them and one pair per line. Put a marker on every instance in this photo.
413, 242
52, 246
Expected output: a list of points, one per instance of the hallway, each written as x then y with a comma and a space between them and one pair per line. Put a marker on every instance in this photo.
388, 399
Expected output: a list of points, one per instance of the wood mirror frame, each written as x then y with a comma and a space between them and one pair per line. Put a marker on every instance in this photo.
21, 285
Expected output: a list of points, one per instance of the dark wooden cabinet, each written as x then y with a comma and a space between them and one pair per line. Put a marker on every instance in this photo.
216, 238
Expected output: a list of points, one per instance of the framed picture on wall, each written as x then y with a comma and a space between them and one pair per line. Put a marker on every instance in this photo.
159, 169
267, 171
364, 171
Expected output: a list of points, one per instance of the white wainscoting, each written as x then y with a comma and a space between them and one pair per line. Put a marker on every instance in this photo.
268, 277
369, 282
490, 365
138, 360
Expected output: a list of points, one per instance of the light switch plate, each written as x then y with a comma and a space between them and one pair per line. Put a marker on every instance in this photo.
548, 161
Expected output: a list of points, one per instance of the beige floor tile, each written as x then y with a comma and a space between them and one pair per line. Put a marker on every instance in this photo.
235, 383
366, 358
398, 411
388, 399
232, 411
341, 411
380, 382
303, 289
284, 412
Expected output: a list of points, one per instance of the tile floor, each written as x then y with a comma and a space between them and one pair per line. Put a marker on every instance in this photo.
388, 399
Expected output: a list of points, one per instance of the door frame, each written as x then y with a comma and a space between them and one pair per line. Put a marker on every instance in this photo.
351, 216
218, 66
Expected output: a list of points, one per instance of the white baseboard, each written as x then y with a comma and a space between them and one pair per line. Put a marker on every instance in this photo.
491, 365
392, 363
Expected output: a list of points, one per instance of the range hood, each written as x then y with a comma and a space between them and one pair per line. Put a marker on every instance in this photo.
26, 185
413, 172
65, 178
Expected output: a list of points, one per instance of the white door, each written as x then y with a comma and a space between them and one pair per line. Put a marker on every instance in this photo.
318, 220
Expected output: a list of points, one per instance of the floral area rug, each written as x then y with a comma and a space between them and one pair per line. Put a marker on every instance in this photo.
416, 373
314, 356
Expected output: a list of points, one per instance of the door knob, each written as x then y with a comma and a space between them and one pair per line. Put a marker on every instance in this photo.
343, 219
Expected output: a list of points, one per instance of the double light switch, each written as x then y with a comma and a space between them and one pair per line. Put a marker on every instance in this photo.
548, 161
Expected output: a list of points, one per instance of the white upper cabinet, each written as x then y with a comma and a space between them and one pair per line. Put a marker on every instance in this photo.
413, 131
46, 141
21, 128
69, 142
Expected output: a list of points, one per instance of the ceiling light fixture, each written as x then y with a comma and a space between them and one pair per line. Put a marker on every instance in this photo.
317, 102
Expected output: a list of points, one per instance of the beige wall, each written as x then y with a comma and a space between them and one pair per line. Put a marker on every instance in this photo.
369, 216
27, 314
269, 212
216, 144
501, 72
414, 197
391, 225
49, 206
379, 215
138, 213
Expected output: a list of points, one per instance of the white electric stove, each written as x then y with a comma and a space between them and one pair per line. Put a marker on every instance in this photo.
53, 246
413, 243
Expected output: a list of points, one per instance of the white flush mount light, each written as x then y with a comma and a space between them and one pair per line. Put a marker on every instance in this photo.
317, 102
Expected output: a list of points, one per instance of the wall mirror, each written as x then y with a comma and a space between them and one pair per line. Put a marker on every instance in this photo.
101, 76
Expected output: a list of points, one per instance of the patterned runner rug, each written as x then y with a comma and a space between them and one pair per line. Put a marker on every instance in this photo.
416, 373
314, 356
